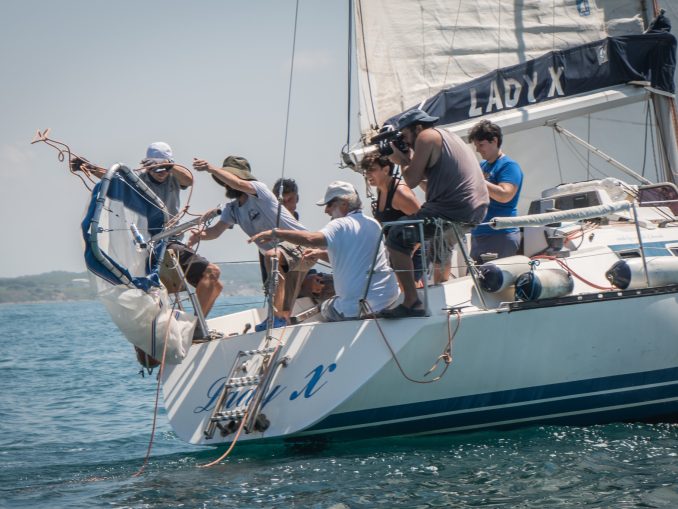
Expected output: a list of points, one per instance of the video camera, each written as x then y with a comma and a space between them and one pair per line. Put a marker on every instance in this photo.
385, 137
379, 144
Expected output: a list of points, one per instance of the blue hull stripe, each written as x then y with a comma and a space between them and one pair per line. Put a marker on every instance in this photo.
527, 404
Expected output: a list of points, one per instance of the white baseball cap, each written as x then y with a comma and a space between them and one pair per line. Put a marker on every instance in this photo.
159, 151
338, 189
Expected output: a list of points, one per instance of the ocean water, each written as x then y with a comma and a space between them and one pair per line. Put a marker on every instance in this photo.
76, 417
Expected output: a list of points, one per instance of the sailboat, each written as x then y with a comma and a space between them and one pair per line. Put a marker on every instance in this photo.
578, 329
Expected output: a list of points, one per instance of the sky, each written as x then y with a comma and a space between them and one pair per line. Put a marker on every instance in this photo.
208, 77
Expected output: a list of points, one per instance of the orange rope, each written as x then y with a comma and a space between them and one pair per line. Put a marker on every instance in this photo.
228, 451
566, 267
446, 356
157, 397
78, 164
247, 411
65, 151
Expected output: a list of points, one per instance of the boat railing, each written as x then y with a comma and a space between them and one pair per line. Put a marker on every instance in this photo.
144, 190
445, 225
184, 227
509, 222
94, 228
577, 215
385, 226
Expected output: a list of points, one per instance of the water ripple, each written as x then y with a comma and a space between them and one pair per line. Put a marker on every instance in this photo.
75, 422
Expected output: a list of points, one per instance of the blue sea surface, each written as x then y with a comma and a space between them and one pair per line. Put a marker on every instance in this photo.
76, 418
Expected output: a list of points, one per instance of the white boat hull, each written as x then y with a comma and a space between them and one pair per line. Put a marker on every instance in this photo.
579, 362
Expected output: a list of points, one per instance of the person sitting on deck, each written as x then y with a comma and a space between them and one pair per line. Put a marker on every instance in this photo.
314, 285
255, 208
348, 242
504, 180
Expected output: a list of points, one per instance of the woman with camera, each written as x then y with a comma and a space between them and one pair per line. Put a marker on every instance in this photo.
394, 199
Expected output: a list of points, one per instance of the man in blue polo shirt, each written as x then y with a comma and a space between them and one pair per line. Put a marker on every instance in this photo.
504, 180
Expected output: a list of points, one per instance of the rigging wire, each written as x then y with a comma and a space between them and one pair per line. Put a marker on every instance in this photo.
498, 34
349, 72
555, 145
367, 69
289, 95
653, 144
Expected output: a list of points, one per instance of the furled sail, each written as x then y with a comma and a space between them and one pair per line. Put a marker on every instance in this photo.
408, 51
543, 71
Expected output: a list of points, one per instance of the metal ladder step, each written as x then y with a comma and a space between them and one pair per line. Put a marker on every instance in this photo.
244, 381
226, 420
228, 414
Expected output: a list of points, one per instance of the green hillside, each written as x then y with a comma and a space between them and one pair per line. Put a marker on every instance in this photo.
238, 279
57, 285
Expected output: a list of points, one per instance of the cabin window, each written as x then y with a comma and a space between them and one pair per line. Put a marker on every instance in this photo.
659, 195
629, 253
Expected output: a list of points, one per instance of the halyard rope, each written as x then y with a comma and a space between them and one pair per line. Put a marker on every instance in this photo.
445, 356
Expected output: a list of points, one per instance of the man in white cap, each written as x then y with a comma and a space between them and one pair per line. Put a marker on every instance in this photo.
167, 180
348, 242
255, 208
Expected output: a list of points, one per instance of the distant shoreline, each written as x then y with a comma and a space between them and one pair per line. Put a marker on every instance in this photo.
62, 286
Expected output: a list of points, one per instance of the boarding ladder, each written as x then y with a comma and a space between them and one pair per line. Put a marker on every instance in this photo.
251, 368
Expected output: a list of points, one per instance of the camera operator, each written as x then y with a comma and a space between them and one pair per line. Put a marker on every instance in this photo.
455, 191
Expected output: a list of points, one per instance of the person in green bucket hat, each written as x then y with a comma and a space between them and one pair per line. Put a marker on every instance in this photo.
254, 208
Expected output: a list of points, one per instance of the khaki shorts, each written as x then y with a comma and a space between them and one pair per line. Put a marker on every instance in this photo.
292, 258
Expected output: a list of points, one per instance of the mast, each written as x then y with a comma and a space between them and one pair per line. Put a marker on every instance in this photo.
665, 113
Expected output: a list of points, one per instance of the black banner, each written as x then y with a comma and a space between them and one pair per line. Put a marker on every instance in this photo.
594, 66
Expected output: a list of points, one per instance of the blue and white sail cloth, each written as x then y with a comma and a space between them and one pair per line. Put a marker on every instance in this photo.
122, 216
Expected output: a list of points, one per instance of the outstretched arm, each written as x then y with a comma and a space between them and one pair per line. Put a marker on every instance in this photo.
300, 237
226, 177
207, 234
182, 175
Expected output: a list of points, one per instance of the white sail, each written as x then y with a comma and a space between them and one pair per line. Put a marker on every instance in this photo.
409, 50
423, 53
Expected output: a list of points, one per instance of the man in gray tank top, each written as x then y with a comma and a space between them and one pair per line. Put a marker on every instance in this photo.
447, 169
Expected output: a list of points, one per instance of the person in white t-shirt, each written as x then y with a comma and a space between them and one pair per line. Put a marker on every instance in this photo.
348, 242
255, 208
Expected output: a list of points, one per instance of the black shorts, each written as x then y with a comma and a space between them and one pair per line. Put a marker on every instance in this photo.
403, 237
191, 263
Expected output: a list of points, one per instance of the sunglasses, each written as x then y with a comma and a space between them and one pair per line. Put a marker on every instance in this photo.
162, 169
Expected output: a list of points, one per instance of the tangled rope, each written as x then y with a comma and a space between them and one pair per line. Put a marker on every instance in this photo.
76, 164
445, 356
79, 166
